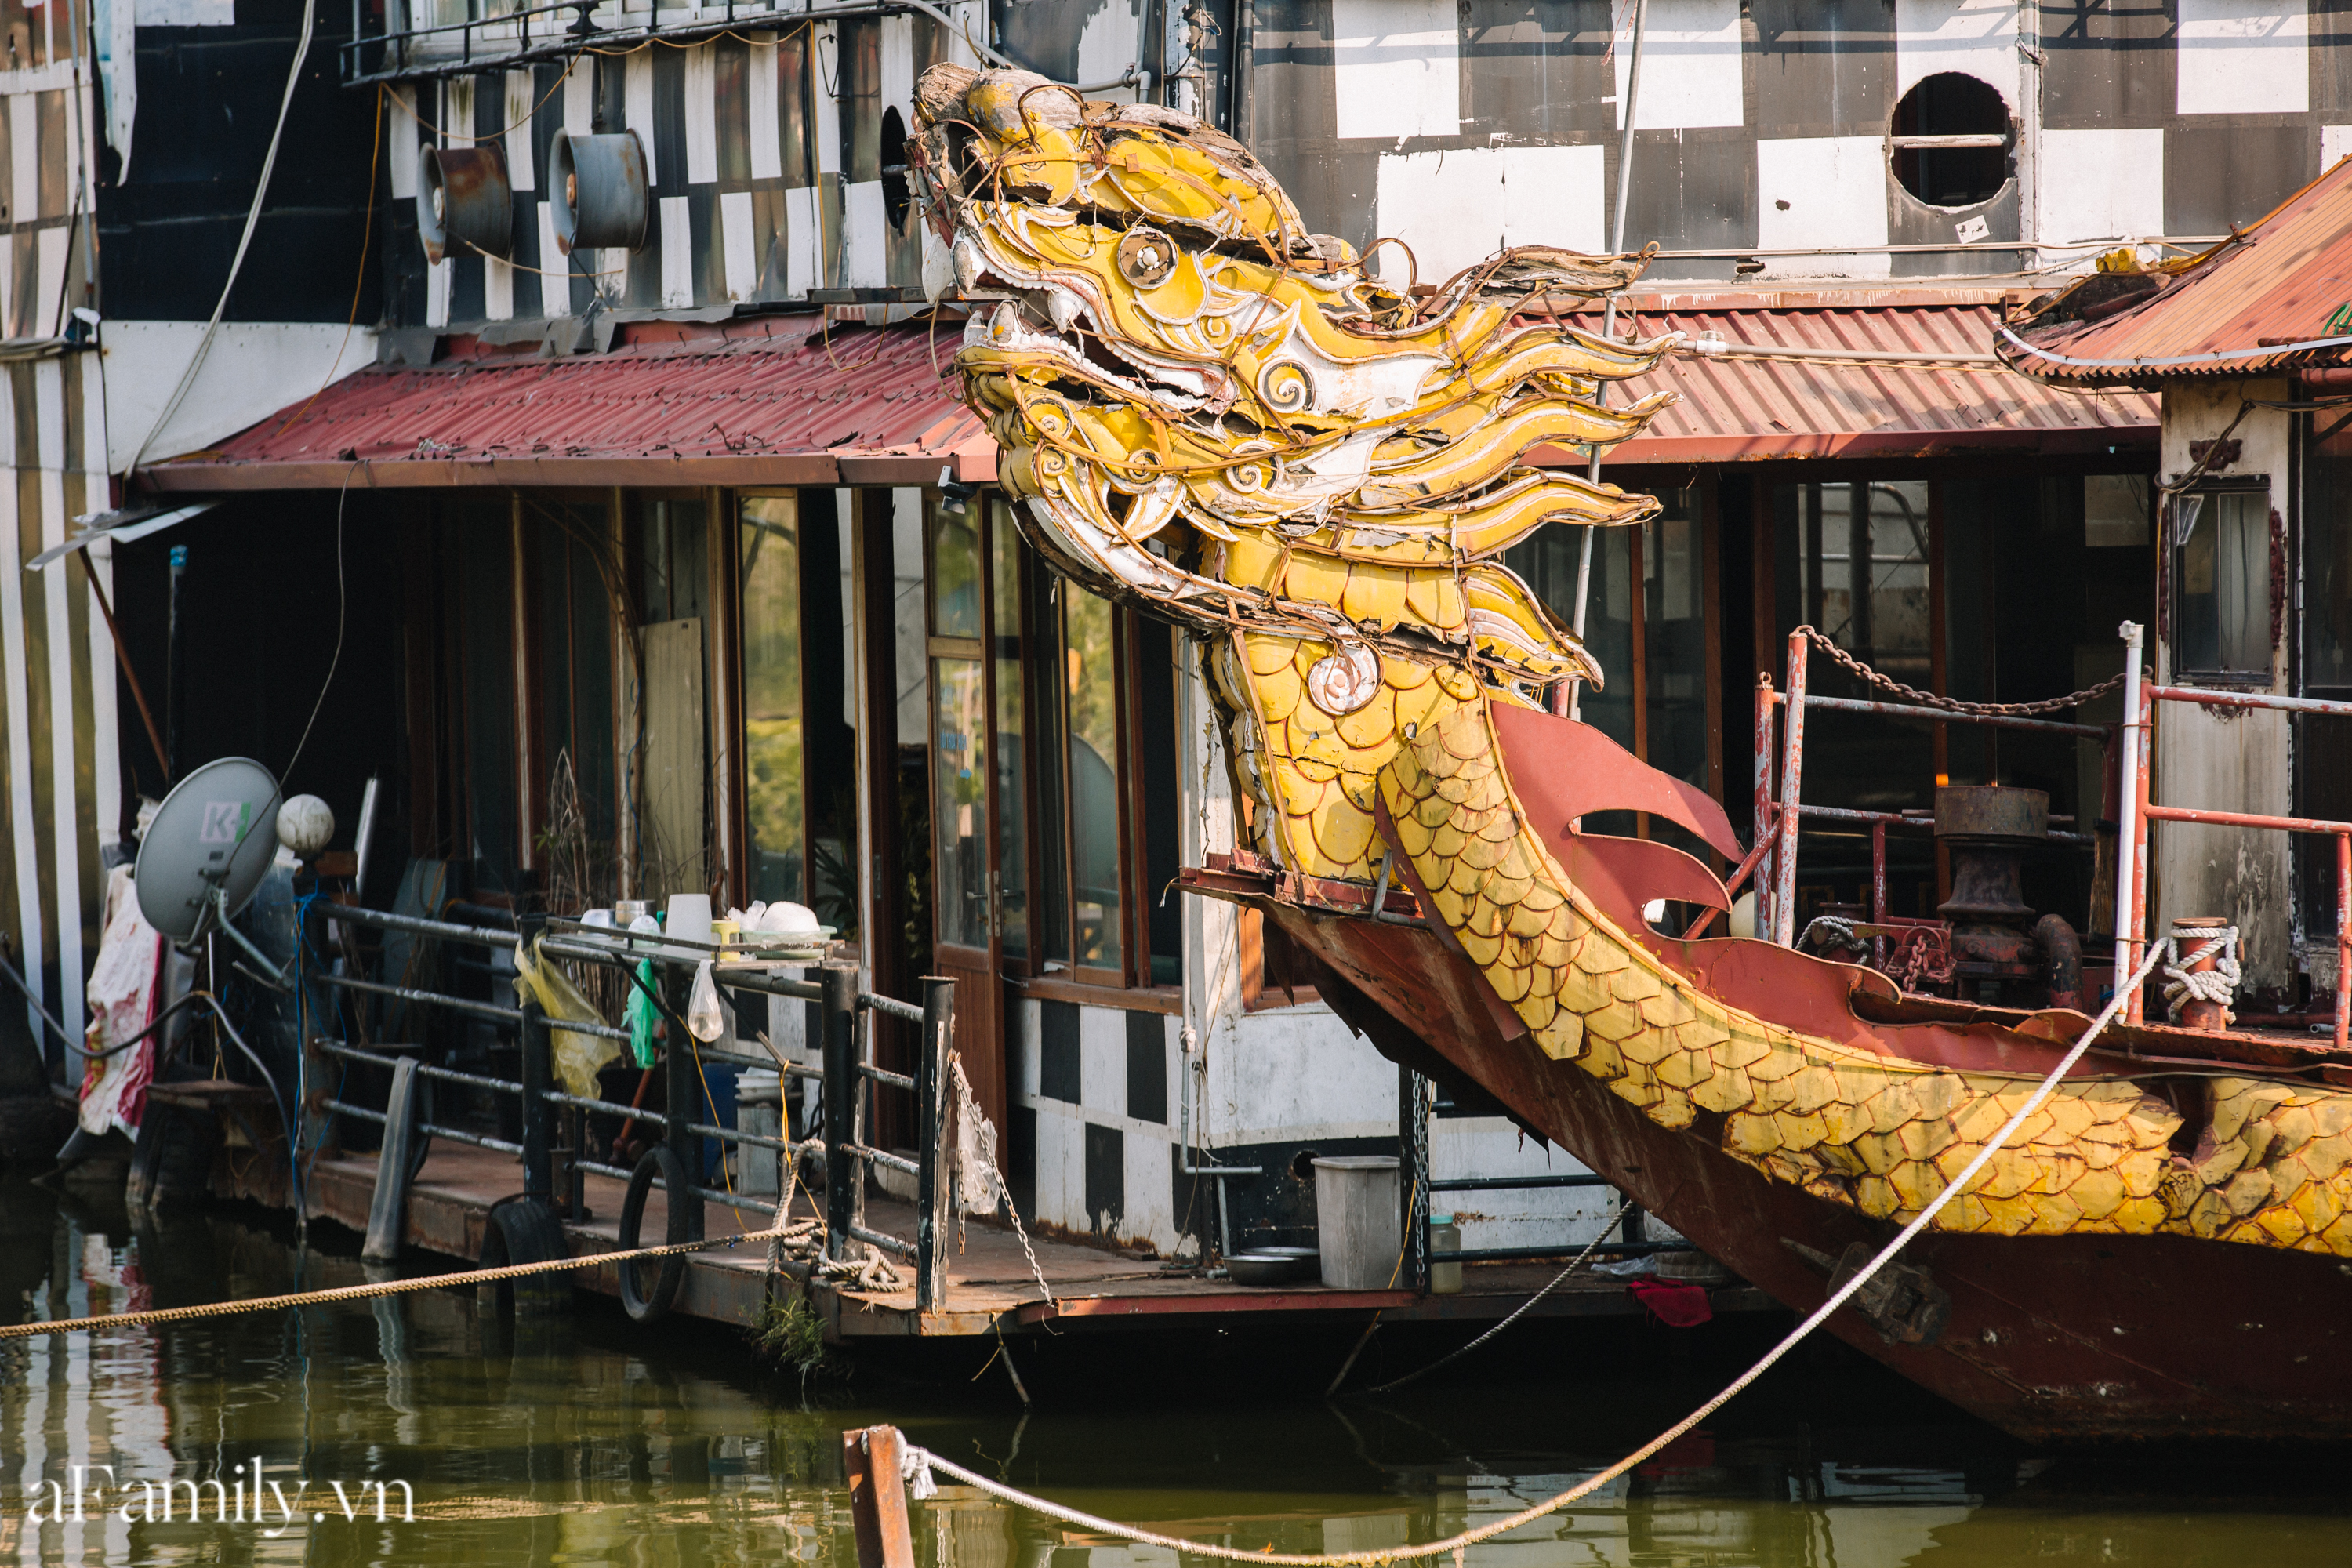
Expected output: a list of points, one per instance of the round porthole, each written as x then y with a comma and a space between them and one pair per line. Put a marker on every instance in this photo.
1951, 140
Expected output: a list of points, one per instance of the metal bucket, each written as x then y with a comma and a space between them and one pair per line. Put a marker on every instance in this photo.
1358, 1226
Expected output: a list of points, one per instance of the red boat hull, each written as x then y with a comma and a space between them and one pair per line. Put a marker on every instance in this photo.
2055, 1339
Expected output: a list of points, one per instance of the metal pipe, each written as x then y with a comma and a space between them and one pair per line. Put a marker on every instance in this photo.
1942, 716
1609, 313
844, 1181
538, 1116
708, 1194
2137, 1010
1760, 828
890, 1006
2127, 828
1513, 1184
433, 998
2245, 700
1878, 891
1793, 773
1522, 1254
347, 915
888, 1243
2343, 937
2154, 813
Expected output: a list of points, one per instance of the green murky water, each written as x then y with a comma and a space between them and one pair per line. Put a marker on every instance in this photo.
593, 1441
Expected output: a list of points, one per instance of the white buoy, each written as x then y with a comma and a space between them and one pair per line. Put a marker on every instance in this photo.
306, 825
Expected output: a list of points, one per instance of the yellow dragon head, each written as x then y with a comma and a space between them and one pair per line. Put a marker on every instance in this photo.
1206, 410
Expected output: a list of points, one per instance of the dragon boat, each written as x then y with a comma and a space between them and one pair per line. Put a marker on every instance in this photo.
1207, 411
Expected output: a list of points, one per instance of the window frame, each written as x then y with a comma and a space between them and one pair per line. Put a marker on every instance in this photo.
2173, 588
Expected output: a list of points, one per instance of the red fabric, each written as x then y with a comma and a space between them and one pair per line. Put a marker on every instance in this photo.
1676, 1306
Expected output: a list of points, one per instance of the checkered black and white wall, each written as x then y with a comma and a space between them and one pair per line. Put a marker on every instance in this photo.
1460, 125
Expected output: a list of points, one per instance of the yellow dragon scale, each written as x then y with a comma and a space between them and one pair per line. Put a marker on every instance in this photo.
1207, 410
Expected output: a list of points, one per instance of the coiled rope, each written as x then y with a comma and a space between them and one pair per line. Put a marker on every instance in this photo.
2183, 984
919, 1460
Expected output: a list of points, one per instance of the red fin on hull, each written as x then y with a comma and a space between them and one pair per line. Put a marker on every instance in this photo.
1563, 770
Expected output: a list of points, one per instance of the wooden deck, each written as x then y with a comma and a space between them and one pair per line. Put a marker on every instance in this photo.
990, 1284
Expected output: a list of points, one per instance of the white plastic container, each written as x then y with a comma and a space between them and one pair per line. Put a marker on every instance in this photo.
1445, 1241
690, 920
758, 1111
1357, 1228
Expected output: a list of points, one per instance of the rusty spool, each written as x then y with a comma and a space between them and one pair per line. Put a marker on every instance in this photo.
598, 191
1988, 828
464, 201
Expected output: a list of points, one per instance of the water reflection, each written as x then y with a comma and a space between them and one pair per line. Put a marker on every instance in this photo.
586, 1442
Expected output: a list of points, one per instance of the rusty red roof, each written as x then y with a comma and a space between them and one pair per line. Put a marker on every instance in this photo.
763, 400
2255, 304
778, 400
1735, 409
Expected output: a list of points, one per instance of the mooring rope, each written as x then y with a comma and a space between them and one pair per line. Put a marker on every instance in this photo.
363, 1292
1517, 1312
922, 1459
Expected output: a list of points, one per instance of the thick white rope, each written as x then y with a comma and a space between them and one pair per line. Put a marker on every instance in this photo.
2183, 984
1468, 1538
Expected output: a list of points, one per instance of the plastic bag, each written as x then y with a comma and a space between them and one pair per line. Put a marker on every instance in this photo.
641, 1015
577, 1057
704, 1018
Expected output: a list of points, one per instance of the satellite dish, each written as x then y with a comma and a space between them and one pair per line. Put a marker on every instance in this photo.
204, 855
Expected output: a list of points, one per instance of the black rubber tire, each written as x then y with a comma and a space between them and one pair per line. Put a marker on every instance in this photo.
520, 1230
644, 1305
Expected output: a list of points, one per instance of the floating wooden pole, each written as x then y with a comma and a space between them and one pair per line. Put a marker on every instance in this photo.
877, 1496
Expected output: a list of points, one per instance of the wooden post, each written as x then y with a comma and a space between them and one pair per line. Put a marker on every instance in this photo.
877, 1496
934, 1094
845, 1172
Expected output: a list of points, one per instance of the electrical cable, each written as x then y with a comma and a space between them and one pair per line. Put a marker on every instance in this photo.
236, 262
342, 615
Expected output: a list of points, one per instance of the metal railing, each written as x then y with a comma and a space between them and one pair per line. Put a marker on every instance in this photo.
2140, 812
846, 1070
1773, 860
1421, 1185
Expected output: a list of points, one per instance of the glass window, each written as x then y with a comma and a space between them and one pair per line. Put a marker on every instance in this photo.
1089, 655
774, 735
1012, 816
959, 737
2221, 546
960, 802
954, 577
1864, 563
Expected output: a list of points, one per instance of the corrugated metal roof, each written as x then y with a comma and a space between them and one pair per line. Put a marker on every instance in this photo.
766, 400
769, 400
2282, 283
1734, 410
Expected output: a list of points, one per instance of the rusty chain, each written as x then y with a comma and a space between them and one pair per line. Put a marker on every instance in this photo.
1863, 672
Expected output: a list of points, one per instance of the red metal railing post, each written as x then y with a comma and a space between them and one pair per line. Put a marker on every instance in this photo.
1763, 828
2343, 937
1792, 778
1878, 892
